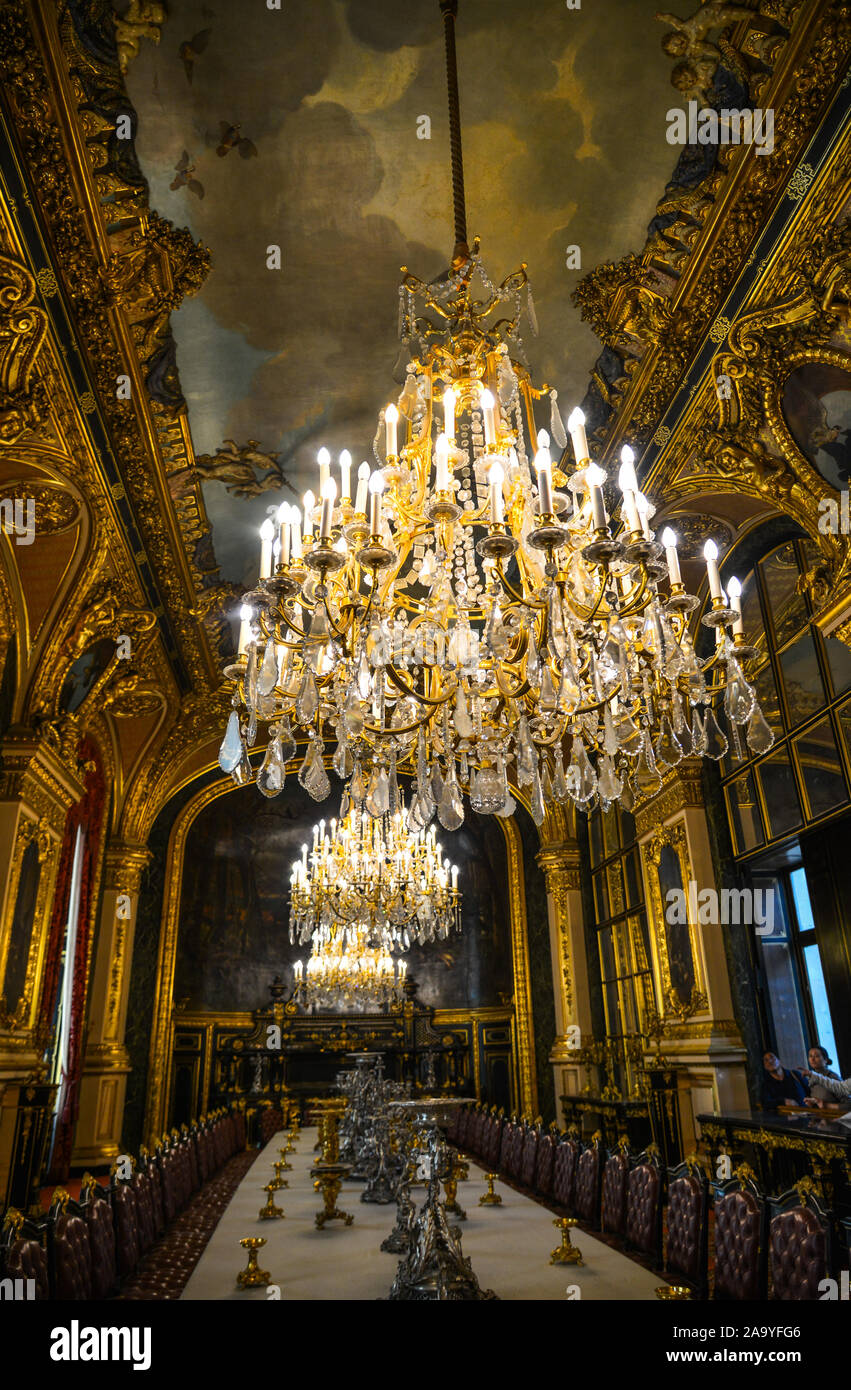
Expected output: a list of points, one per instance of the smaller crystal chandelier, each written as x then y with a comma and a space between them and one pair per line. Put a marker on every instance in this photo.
374, 872
345, 972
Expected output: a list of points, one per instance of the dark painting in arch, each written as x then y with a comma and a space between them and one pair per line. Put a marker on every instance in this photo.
233, 932
817, 406
83, 673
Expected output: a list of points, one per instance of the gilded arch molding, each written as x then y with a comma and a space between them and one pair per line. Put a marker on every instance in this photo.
159, 1056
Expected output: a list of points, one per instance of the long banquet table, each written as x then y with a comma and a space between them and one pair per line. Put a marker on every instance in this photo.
509, 1245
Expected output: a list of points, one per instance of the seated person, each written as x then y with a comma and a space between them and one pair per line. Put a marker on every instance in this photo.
782, 1086
819, 1064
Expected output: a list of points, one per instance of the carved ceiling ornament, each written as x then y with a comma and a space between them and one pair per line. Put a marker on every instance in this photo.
655, 309
23, 326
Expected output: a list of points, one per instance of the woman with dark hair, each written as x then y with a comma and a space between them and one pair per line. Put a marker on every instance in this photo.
819, 1063
782, 1086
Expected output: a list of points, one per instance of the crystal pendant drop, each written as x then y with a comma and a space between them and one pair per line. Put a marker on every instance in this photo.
270, 778
267, 678
698, 735
364, 677
739, 697
312, 775
353, 719
393, 797
251, 677
242, 772
378, 796
357, 790
450, 810
646, 776
609, 784
668, 750
533, 666
343, 761
715, 738
581, 777
496, 639
286, 741
549, 694
760, 738
307, 700
681, 728
627, 800
536, 803
232, 749
610, 738
463, 722
526, 759
560, 791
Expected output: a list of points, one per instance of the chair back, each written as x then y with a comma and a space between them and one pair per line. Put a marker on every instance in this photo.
740, 1238
800, 1243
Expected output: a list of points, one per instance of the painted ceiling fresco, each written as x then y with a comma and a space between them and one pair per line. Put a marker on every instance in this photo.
299, 128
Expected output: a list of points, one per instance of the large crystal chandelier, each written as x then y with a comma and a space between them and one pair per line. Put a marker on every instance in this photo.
471, 614
373, 873
344, 971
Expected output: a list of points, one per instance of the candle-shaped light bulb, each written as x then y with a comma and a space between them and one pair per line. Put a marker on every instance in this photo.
576, 429
267, 540
441, 463
284, 532
309, 504
345, 476
628, 484
391, 416
495, 478
376, 487
710, 555
643, 506
488, 404
669, 540
245, 616
595, 477
543, 464
323, 458
363, 488
734, 593
295, 533
450, 400
543, 439
329, 494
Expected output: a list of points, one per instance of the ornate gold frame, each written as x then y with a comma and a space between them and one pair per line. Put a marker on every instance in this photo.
674, 835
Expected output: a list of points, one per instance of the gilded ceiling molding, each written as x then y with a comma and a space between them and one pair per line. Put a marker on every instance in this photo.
655, 309
40, 93
23, 326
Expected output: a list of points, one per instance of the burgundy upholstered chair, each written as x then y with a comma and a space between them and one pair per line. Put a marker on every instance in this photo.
688, 1225
97, 1213
529, 1157
589, 1176
126, 1228
613, 1197
476, 1130
145, 1218
239, 1130
22, 1253
69, 1250
493, 1140
800, 1244
544, 1164
564, 1172
152, 1165
644, 1191
506, 1147
740, 1238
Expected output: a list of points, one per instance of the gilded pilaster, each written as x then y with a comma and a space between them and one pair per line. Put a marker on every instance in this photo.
107, 1063
560, 865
